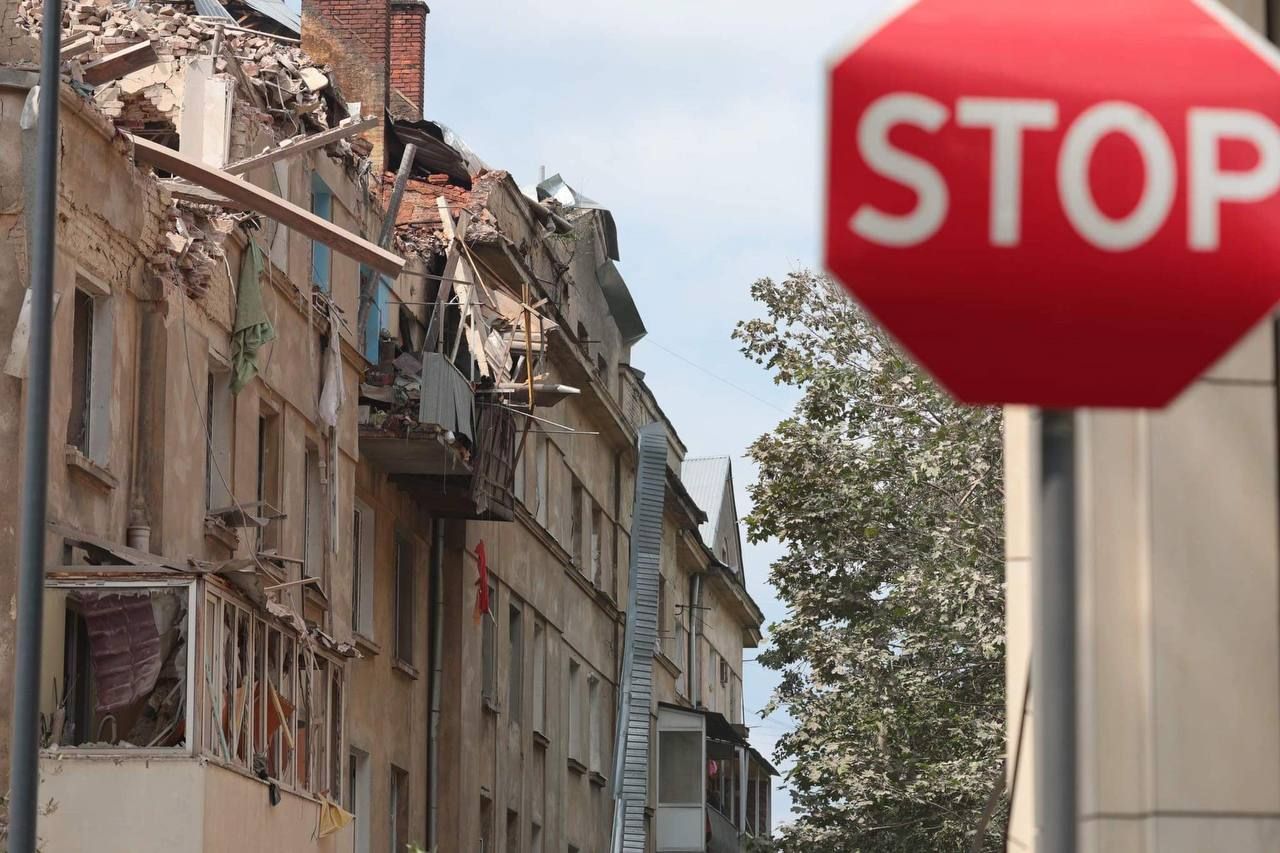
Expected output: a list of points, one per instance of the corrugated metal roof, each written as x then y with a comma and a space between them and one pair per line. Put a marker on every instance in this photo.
212, 9
705, 479
278, 12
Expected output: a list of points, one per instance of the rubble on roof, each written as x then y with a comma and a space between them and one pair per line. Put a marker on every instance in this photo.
291, 92
280, 94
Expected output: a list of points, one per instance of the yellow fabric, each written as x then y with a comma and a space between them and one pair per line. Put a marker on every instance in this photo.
333, 818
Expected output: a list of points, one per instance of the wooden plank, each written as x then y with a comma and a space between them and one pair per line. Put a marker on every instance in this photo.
71, 49
259, 200
301, 144
133, 58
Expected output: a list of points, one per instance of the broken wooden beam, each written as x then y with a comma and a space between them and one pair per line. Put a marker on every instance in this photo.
260, 201
301, 144
77, 46
114, 65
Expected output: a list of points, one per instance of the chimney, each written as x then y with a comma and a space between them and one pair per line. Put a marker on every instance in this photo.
408, 45
354, 38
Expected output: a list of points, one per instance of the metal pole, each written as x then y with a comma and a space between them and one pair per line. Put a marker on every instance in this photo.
1053, 641
24, 733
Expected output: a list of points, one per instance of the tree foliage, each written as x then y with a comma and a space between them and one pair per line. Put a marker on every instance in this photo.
887, 497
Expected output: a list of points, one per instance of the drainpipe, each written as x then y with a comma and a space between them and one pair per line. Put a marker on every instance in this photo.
695, 659
437, 668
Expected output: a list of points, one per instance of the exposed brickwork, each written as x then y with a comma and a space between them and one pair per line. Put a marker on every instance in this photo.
408, 42
354, 38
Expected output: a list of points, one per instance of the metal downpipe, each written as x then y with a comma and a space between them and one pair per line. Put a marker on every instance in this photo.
437, 670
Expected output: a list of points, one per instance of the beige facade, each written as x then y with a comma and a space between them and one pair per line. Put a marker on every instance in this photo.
261, 612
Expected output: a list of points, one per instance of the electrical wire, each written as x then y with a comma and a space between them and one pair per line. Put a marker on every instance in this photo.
204, 420
718, 377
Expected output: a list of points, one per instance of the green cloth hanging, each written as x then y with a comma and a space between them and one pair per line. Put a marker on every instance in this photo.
253, 328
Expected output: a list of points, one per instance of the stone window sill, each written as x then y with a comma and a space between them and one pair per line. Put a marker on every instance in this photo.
366, 644
597, 779
541, 740
96, 474
667, 663
577, 766
404, 668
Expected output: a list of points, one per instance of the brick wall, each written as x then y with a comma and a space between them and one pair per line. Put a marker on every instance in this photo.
408, 41
354, 38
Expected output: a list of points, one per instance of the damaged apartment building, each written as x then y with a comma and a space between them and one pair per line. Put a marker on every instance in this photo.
339, 537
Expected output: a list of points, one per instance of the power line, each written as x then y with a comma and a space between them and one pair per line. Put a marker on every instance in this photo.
718, 377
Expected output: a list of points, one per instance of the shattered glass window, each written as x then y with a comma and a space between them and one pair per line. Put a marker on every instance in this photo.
120, 664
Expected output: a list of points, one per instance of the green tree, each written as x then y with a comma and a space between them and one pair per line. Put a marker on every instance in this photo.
887, 497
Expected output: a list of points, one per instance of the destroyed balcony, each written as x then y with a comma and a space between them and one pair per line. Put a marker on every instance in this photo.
217, 721
421, 423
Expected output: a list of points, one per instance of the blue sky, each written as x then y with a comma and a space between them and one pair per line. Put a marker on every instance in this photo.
699, 124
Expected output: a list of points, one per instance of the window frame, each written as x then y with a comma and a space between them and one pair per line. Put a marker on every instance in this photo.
99, 355
363, 563
403, 646
321, 255
515, 663
191, 744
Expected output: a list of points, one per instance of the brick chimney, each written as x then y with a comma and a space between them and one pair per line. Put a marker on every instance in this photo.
354, 38
408, 44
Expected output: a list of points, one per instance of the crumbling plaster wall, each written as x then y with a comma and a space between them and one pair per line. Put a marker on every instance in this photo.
109, 224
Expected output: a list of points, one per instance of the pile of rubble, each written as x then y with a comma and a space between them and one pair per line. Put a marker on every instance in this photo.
192, 248
272, 71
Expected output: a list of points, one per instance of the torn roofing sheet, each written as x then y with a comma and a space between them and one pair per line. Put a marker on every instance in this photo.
213, 9
555, 188
439, 151
124, 645
278, 12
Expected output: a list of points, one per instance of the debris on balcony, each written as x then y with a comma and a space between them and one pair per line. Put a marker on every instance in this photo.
124, 655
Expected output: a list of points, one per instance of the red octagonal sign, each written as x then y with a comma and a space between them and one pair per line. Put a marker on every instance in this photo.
1063, 203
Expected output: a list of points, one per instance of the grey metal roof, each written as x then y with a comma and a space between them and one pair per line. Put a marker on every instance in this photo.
213, 9
705, 478
279, 12
621, 305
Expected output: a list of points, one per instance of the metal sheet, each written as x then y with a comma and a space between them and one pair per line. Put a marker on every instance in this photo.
631, 758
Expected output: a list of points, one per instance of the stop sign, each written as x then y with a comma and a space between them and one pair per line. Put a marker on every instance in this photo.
1058, 203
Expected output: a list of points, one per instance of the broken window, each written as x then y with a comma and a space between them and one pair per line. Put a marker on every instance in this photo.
91, 373
218, 425
321, 206
274, 704
313, 513
121, 664
268, 474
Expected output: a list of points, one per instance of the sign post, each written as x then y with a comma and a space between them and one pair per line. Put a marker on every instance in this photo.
1060, 205
1053, 639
